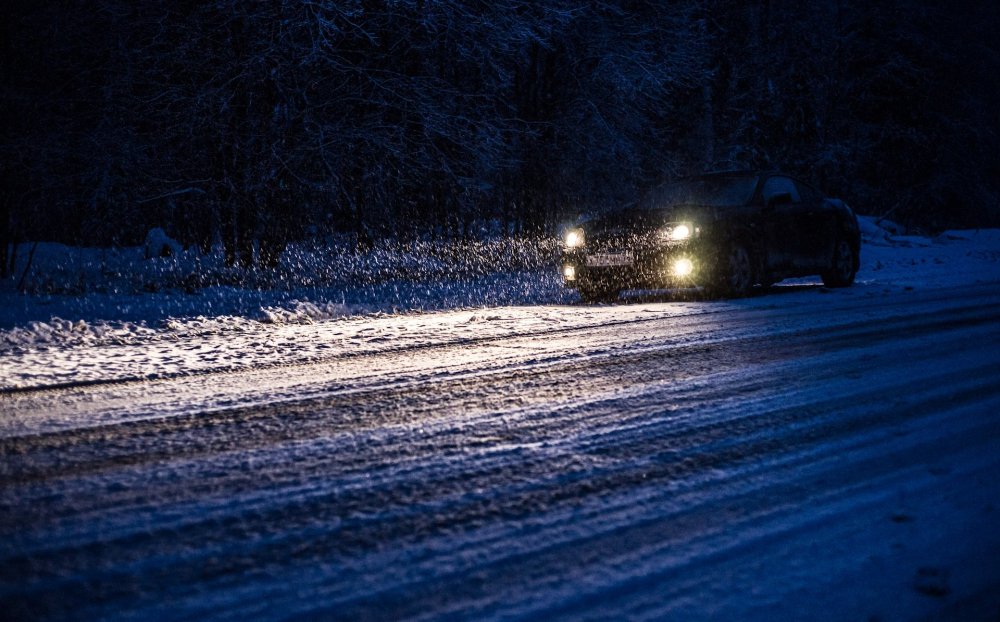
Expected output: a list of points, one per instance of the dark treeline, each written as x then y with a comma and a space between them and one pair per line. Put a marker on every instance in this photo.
242, 120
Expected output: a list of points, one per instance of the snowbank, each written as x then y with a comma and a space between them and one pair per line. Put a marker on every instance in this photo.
159, 244
891, 258
120, 292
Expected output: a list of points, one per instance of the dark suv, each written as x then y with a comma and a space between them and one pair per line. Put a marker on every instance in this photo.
722, 232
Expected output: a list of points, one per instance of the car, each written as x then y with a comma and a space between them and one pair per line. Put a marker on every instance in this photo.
724, 233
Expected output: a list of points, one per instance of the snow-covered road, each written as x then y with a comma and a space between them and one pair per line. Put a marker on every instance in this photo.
809, 454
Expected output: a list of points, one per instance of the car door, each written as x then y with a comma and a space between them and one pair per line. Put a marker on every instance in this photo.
781, 215
816, 229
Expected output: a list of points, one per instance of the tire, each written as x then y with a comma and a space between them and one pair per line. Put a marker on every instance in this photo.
843, 266
735, 276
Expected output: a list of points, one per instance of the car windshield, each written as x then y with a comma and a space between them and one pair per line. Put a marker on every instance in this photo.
713, 191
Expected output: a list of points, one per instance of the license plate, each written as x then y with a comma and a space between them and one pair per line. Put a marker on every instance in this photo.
607, 260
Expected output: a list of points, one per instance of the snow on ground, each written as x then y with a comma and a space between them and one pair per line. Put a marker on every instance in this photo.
102, 335
807, 454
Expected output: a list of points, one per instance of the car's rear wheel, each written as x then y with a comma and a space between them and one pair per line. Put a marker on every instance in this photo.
843, 267
735, 277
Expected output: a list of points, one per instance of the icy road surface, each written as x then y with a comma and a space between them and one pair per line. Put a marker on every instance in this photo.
809, 454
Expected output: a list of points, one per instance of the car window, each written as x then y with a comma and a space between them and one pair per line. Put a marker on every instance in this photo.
776, 185
808, 193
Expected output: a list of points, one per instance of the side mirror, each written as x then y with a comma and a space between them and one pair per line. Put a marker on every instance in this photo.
781, 198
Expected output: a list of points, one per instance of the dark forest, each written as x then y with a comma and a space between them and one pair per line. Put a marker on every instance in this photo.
239, 120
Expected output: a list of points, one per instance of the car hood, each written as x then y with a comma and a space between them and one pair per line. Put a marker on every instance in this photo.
642, 221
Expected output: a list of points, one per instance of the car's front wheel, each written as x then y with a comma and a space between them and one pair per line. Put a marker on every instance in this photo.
735, 275
844, 266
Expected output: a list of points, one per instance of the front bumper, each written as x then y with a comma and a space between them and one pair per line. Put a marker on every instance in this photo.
657, 268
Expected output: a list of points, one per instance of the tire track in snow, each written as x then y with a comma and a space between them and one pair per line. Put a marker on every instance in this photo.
670, 343
702, 457
549, 467
34, 411
371, 347
386, 449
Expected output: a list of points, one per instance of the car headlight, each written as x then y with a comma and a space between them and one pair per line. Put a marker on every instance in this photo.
678, 232
682, 267
574, 238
